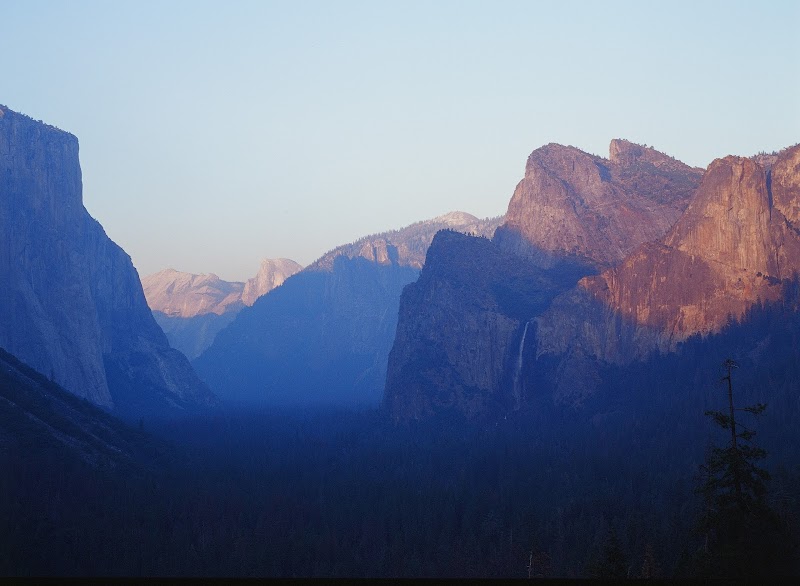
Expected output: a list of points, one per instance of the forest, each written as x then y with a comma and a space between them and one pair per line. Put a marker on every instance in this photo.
618, 487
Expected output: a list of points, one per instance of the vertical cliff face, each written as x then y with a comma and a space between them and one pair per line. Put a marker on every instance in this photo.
72, 305
571, 203
271, 274
784, 184
461, 328
459, 343
734, 246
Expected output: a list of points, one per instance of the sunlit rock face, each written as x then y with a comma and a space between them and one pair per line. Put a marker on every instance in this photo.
192, 309
467, 325
595, 209
272, 273
71, 304
178, 294
733, 247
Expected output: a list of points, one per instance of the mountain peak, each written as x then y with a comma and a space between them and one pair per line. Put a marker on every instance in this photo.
728, 221
624, 152
180, 294
574, 204
455, 218
272, 273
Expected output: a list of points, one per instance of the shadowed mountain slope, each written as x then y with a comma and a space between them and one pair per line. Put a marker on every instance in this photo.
324, 336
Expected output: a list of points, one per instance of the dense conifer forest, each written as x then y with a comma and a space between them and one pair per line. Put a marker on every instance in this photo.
611, 488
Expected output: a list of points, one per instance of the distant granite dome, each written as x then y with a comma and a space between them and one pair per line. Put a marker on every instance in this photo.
71, 304
271, 274
178, 294
455, 219
192, 309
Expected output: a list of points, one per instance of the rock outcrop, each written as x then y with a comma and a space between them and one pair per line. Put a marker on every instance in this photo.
71, 304
178, 294
736, 245
271, 274
594, 209
325, 335
462, 328
192, 309
460, 344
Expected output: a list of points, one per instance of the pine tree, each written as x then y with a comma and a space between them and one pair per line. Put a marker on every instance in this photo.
741, 535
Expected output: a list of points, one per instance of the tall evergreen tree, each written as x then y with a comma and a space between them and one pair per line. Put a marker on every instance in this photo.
742, 536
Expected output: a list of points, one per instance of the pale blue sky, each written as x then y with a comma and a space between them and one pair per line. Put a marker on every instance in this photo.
214, 134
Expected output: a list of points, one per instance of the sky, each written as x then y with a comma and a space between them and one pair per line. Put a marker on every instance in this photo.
214, 134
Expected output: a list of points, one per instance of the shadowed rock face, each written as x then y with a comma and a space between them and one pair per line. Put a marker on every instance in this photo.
571, 203
461, 327
41, 418
71, 305
324, 336
733, 248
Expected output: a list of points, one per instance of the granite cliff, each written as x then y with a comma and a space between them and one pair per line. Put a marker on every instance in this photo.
325, 335
571, 203
572, 215
737, 245
272, 273
71, 305
462, 326
177, 294
192, 309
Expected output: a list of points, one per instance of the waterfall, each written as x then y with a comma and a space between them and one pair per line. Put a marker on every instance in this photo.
518, 371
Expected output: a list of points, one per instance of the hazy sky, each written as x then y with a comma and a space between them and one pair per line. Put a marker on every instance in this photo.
216, 133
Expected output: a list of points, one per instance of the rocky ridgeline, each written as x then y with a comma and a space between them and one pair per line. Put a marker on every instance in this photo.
324, 336
571, 203
635, 253
736, 245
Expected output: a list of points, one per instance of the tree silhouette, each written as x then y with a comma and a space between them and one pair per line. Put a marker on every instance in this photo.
742, 535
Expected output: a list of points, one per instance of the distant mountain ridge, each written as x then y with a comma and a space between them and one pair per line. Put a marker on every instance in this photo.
71, 304
324, 336
411, 242
192, 308
177, 294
